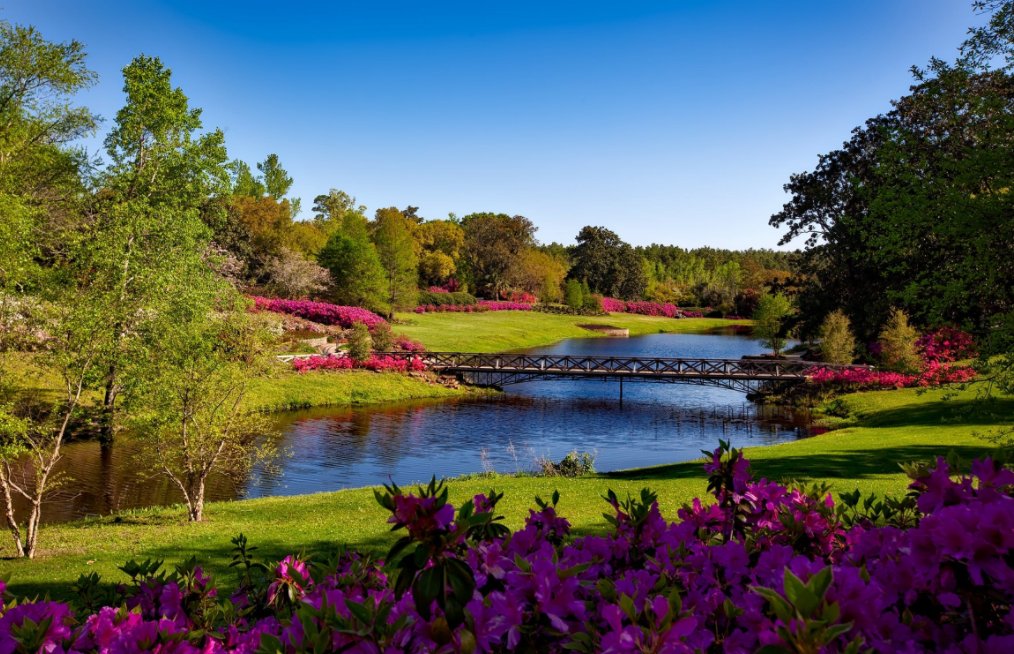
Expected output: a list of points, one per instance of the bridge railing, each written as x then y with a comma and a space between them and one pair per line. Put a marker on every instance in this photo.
620, 366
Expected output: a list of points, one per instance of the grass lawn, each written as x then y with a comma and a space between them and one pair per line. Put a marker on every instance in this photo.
287, 390
888, 427
499, 331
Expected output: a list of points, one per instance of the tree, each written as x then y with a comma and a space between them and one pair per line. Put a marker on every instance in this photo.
147, 225
392, 235
360, 342
294, 276
897, 344
494, 244
914, 210
31, 441
541, 274
277, 182
772, 309
440, 243
837, 344
191, 410
609, 265
244, 182
357, 276
573, 294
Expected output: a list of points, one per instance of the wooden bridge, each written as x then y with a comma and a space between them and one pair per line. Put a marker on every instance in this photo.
498, 370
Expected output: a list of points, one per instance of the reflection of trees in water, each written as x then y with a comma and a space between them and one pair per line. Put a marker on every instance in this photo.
102, 480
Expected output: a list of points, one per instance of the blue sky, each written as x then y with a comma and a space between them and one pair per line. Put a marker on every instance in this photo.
674, 122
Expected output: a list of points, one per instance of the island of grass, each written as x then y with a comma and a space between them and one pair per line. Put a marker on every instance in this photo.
887, 428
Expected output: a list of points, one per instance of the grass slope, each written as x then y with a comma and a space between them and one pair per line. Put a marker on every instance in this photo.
890, 427
499, 331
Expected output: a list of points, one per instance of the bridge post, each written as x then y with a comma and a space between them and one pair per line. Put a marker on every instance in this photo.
621, 391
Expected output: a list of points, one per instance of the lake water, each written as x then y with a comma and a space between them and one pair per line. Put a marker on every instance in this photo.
341, 448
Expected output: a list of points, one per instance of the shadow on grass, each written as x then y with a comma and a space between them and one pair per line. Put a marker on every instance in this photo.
944, 412
858, 464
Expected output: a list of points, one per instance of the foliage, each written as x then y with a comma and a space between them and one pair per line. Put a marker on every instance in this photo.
540, 274
772, 309
293, 276
898, 344
607, 264
946, 344
762, 568
914, 210
494, 245
644, 308
440, 243
360, 342
382, 337
319, 312
837, 343
190, 411
392, 236
357, 274
573, 294
459, 298
573, 464
478, 307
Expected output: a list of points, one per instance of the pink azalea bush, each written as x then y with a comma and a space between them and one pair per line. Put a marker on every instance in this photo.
319, 312
377, 363
933, 374
759, 567
946, 344
646, 308
406, 344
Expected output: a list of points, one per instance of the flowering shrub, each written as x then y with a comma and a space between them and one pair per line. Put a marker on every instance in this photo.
504, 305
320, 312
946, 344
645, 308
438, 289
406, 344
762, 567
523, 297
377, 363
933, 374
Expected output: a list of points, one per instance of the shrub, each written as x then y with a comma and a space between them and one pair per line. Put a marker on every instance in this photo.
458, 298
378, 363
382, 338
574, 464
320, 312
573, 296
946, 344
837, 344
360, 342
897, 340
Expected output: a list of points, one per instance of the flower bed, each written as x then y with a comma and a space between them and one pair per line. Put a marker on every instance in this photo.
645, 308
934, 374
764, 567
376, 363
320, 312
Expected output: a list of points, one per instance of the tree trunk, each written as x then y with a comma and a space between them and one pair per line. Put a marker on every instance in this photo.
32, 533
12, 523
107, 428
195, 505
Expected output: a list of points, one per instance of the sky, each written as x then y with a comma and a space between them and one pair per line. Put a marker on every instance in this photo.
668, 122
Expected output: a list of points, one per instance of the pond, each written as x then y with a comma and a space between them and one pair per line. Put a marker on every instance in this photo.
509, 432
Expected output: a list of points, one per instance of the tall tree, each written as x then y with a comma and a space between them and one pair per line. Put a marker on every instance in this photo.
392, 235
494, 245
608, 264
357, 276
148, 226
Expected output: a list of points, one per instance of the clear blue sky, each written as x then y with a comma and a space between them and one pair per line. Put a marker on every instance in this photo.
674, 122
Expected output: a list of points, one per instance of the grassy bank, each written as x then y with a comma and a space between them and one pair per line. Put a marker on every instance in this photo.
498, 331
286, 390
888, 427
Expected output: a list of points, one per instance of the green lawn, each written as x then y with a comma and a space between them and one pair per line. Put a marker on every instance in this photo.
499, 331
890, 427
286, 390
